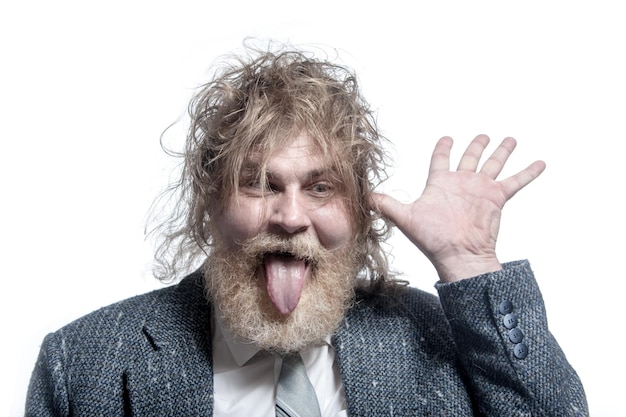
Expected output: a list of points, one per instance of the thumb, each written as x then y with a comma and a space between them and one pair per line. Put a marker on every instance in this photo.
387, 206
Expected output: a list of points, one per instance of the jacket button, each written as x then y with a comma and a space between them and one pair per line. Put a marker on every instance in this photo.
505, 307
520, 351
516, 335
510, 321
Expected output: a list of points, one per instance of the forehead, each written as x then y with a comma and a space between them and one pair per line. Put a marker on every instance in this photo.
297, 150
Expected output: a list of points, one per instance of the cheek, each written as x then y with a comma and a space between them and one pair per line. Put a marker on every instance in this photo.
239, 221
334, 227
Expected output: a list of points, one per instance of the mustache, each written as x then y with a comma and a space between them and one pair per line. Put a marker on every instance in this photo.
298, 246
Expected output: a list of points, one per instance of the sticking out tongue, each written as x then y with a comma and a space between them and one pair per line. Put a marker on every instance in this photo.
285, 277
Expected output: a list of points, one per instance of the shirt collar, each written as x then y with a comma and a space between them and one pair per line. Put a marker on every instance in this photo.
241, 351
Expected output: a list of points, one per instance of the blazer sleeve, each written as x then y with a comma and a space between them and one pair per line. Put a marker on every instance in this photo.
513, 364
47, 392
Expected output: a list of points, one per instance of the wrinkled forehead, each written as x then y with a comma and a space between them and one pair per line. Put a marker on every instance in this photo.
301, 145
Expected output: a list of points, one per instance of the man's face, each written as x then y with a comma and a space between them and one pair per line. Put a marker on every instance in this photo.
287, 242
299, 198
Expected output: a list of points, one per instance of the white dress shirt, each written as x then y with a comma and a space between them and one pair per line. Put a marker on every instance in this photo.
245, 378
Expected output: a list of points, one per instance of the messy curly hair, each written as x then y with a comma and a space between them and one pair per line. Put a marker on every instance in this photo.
257, 102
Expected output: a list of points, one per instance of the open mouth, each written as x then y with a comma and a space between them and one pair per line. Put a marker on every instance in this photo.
285, 274
286, 256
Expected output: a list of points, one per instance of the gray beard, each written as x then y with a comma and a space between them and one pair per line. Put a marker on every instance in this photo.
234, 286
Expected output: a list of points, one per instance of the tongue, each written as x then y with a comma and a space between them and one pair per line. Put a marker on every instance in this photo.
285, 277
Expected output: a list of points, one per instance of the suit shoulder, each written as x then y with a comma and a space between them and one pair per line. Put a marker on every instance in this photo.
404, 304
400, 300
92, 364
400, 317
167, 303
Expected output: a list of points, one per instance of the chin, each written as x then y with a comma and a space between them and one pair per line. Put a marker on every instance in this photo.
237, 288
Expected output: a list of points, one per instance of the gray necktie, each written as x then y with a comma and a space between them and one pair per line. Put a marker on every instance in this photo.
295, 396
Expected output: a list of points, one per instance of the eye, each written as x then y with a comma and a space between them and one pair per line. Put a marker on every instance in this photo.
322, 188
255, 184
258, 186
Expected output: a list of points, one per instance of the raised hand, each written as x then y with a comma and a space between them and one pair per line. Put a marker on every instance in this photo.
455, 222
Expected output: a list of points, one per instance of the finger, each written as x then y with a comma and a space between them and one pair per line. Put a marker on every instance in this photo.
520, 180
440, 160
493, 166
470, 159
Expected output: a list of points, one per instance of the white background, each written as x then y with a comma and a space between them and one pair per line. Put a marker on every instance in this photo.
88, 87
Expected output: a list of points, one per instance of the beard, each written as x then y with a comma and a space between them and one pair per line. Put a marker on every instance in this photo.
236, 286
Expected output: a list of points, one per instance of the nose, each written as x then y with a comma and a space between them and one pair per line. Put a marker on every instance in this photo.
289, 213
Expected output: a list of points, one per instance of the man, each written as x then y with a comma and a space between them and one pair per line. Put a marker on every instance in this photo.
277, 197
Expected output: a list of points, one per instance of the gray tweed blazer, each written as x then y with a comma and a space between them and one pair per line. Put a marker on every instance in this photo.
413, 355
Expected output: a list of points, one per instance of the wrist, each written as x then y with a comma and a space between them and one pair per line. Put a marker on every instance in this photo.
458, 267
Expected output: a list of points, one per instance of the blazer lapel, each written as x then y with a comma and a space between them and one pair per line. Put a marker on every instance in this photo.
376, 357
173, 372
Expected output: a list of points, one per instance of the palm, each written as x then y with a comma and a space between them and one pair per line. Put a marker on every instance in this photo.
455, 221
456, 210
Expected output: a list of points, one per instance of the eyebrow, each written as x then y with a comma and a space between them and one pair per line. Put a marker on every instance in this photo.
252, 167
316, 173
